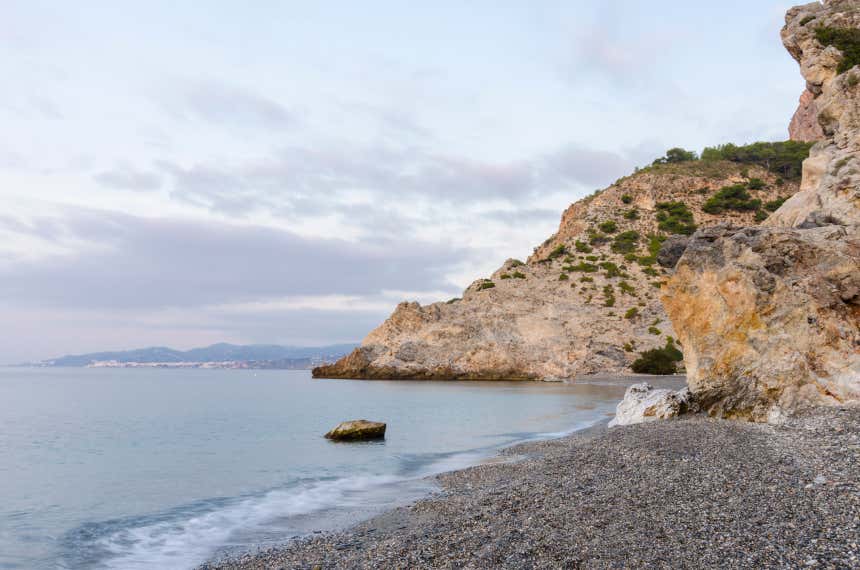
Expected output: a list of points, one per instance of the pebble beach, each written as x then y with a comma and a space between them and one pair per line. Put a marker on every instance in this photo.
694, 492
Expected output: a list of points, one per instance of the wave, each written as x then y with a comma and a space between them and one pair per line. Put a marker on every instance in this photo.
184, 538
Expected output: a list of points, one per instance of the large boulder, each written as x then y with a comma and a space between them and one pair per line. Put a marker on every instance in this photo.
642, 403
768, 318
357, 430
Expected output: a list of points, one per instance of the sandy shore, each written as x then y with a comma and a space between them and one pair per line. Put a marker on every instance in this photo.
690, 493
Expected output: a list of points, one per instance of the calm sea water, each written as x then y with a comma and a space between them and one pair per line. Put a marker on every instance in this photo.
126, 468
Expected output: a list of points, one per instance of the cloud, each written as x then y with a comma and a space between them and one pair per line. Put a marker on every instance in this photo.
134, 262
305, 181
218, 103
125, 178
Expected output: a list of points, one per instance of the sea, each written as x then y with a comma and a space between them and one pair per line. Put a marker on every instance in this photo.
158, 468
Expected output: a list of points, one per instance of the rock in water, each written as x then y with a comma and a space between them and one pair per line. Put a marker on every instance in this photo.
769, 317
642, 403
356, 430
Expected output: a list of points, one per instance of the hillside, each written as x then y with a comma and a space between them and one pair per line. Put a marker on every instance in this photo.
586, 301
221, 352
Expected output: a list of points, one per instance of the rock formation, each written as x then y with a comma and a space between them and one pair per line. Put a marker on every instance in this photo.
768, 316
642, 403
804, 124
585, 302
357, 430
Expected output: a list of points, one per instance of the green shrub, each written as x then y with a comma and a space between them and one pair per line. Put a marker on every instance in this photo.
628, 347
755, 184
608, 227
784, 158
453, 300
584, 267
675, 155
504, 276
518, 275
631, 313
557, 251
675, 218
515, 263
626, 198
852, 80
760, 216
774, 205
625, 242
650, 271
655, 331
586, 279
582, 247
611, 269
597, 238
563, 277
846, 40
608, 296
627, 288
734, 197
486, 285
658, 360
631, 214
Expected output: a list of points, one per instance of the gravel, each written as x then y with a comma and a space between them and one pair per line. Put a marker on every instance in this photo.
689, 493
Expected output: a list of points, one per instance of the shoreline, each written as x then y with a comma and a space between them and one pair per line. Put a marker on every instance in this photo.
691, 492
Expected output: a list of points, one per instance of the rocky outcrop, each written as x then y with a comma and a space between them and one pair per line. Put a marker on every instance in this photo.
584, 302
642, 403
830, 189
804, 124
357, 430
769, 317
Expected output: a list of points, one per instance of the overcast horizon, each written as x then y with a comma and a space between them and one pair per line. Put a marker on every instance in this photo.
288, 173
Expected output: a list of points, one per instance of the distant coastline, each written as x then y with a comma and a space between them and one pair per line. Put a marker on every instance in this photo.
222, 355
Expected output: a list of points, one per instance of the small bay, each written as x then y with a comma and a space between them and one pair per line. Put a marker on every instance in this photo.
151, 468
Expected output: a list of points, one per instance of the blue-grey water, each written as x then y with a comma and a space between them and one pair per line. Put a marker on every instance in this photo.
136, 468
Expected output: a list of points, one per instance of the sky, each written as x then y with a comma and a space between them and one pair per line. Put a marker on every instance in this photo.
185, 173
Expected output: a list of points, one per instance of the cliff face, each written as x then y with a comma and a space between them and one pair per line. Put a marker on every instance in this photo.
769, 316
585, 302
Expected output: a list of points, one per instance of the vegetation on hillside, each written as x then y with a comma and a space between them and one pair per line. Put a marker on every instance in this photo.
675, 218
734, 197
659, 360
783, 158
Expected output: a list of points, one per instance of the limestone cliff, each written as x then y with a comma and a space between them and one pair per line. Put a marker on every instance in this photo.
585, 302
769, 316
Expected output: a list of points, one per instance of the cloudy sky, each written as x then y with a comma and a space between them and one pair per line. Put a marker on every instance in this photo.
183, 173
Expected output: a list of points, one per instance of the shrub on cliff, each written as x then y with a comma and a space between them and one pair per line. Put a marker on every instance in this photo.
658, 360
784, 158
608, 227
625, 242
557, 251
846, 40
582, 247
486, 285
734, 197
676, 155
675, 218
774, 205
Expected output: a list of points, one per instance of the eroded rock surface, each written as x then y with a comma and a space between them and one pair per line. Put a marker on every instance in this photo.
768, 318
357, 430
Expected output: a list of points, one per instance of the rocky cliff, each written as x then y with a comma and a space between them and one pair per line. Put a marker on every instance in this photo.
768, 316
585, 302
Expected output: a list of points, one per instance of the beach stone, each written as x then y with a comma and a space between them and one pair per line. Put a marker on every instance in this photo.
642, 402
356, 430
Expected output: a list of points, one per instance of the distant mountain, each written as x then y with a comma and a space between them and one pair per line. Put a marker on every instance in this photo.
221, 352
